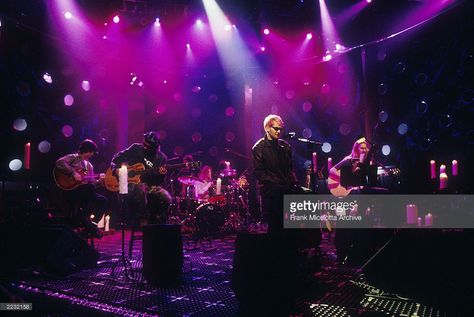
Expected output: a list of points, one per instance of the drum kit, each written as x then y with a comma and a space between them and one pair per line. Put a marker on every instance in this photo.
208, 207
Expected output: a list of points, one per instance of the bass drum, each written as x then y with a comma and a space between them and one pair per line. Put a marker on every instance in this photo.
209, 218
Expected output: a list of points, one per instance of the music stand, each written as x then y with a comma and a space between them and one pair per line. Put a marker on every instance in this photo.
366, 177
123, 260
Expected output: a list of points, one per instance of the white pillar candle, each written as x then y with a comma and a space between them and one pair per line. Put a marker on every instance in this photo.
218, 186
123, 180
454, 168
329, 163
107, 223
443, 181
101, 223
433, 169
442, 169
412, 214
428, 220
315, 162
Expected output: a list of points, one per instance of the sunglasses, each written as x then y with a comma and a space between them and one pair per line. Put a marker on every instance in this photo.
277, 128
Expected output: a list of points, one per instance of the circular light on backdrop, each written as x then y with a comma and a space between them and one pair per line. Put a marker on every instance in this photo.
163, 134
44, 146
196, 89
327, 147
213, 151
160, 109
68, 15
116, 19
230, 111
307, 106
230, 136
445, 121
382, 89
67, 131
290, 94
23, 89
383, 116
196, 112
178, 150
196, 137
20, 124
86, 85
402, 128
386, 149
421, 107
345, 129
47, 78
307, 133
325, 89
68, 100
15, 165
399, 68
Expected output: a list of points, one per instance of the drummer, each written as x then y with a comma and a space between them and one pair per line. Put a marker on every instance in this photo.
203, 184
188, 174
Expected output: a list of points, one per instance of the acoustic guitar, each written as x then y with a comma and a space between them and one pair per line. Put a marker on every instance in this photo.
136, 170
67, 182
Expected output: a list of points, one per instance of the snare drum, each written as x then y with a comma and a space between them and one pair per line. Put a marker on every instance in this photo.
209, 218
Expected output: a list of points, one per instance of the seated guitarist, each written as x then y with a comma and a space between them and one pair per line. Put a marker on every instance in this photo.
149, 194
84, 196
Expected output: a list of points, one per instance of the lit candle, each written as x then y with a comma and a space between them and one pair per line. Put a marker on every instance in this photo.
107, 223
315, 162
428, 220
433, 169
419, 222
27, 155
329, 163
443, 181
442, 169
218, 186
412, 214
123, 180
454, 168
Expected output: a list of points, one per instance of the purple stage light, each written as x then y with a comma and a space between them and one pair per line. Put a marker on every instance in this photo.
345, 129
230, 136
20, 124
68, 100
307, 133
327, 58
15, 165
199, 22
327, 147
188, 46
266, 31
160, 110
116, 19
68, 15
307, 106
47, 78
325, 89
86, 85
262, 48
402, 129
290, 94
157, 22
67, 131
230, 111
44, 147
309, 36
386, 149
196, 89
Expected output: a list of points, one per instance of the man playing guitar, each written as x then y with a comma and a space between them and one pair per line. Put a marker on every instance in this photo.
73, 173
147, 195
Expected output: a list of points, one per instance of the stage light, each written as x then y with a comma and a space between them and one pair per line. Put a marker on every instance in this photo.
327, 147
116, 19
20, 124
196, 89
199, 22
44, 146
104, 37
325, 89
266, 31
68, 15
68, 100
67, 131
15, 165
327, 58
309, 36
383, 116
188, 46
157, 22
386, 149
47, 78
86, 85
402, 128
307, 106
421, 107
369, 1
307, 133
345, 129
230, 111
230, 136
262, 48
228, 27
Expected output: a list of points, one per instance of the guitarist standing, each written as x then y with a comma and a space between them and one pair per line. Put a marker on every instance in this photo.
149, 194
79, 169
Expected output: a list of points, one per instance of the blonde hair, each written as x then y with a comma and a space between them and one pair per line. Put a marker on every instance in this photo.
270, 119
355, 148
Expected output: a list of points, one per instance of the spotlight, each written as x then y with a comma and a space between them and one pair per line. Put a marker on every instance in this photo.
266, 31
15, 165
47, 78
309, 36
386, 149
328, 57
116, 19
262, 48
199, 22
327, 147
188, 46
228, 27
369, 1
20, 124
86, 85
68, 15
157, 22
68, 100
402, 129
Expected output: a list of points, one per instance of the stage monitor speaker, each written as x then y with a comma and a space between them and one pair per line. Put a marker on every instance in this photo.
57, 249
434, 266
162, 254
264, 274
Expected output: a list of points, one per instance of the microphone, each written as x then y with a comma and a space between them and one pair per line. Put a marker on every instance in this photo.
309, 141
289, 135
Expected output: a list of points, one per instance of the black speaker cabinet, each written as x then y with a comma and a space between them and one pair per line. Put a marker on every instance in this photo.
162, 254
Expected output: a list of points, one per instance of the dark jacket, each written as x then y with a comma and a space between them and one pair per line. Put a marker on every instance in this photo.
273, 164
134, 154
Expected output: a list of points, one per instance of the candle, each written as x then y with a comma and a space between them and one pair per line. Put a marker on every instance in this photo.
443, 181
329, 163
315, 162
107, 223
412, 214
419, 222
218, 187
123, 180
454, 168
428, 220
442, 169
433, 169
27, 155
101, 223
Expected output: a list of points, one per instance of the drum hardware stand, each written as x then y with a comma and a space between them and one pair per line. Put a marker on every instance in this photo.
199, 237
123, 260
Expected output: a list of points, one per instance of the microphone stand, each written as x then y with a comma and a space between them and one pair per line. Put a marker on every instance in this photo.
311, 147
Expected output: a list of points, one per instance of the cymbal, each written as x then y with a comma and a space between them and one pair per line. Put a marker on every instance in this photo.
188, 180
228, 172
